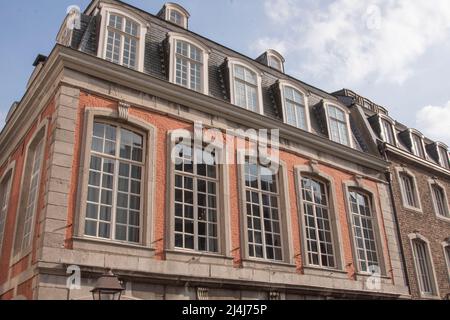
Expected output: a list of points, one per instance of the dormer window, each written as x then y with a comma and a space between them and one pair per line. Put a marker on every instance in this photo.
387, 132
123, 40
272, 59
295, 107
443, 157
176, 14
417, 146
338, 124
245, 86
176, 17
188, 63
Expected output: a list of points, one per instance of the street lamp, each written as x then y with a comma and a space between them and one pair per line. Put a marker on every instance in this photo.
107, 287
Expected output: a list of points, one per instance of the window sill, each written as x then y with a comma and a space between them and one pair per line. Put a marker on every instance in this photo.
446, 219
414, 209
254, 263
176, 254
110, 246
19, 257
314, 270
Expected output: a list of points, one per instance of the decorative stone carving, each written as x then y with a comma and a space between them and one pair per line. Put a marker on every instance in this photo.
123, 111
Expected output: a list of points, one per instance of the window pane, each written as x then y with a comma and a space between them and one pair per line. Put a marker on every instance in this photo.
364, 233
263, 220
115, 186
317, 223
196, 201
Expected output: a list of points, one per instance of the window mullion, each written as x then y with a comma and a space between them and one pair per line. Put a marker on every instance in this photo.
316, 221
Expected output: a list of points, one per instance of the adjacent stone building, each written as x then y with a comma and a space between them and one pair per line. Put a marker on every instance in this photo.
420, 182
88, 181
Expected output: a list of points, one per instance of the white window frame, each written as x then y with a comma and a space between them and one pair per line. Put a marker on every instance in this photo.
231, 62
173, 37
385, 119
400, 171
446, 248
443, 150
106, 11
148, 176
115, 188
169, 7
223, 205
431, 269
275, 55
284, 213
282, 85
312, 171
421, 154
328, 105
432, 183
351, 186
18, 252
6, 181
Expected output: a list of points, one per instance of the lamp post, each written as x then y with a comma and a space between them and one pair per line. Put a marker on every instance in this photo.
107, 287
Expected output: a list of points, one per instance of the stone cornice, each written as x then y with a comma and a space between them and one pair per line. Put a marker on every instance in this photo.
63, 57
417, 160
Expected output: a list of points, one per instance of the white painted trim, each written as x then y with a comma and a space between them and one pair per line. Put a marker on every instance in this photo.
314, 172
432, 182
399, 171
39, 133
231, 62
223, 205
328, 104
176, 7
275, 54
173, 37
446, 245
381, 246
284, 212
305, 93
416, 236
148, 193
106, 10
9, 173
381, 118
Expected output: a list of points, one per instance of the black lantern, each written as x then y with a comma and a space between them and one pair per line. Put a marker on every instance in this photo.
108, 287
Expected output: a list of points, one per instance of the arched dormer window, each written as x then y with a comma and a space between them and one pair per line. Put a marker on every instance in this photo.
245, 85
295, 106
122, 39
272, 59
338, 120
443, 155
176, 14
417, 144
387, 130
188, 63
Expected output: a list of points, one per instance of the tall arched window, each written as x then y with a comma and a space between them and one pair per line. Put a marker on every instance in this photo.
424, 267
263, 212
114, 197
317, 222
5, 189
364, 231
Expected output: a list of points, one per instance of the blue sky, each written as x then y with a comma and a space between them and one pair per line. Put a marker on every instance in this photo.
393, 52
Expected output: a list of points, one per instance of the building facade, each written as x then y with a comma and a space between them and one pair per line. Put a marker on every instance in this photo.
94, 175
420, 182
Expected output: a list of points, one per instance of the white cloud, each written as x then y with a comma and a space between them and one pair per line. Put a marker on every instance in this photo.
434, 121
348, 41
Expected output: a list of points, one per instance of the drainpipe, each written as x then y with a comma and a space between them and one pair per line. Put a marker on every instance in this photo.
399, 236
